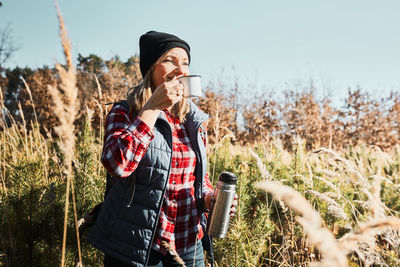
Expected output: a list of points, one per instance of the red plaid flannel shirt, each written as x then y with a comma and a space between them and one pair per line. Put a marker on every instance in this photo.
125, 143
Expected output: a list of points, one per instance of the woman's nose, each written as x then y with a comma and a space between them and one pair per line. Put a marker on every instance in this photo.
179, 70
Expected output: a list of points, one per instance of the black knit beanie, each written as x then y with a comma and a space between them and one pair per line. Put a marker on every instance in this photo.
154, 44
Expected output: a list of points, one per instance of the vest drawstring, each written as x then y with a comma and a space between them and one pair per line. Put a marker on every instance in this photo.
132, 189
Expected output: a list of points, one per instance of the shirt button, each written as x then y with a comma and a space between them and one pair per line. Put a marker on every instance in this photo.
176, 163
173, 182
174, 201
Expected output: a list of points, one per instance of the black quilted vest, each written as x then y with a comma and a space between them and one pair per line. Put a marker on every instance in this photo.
125, 226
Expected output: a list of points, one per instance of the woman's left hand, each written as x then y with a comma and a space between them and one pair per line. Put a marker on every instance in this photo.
233, 206
209, 202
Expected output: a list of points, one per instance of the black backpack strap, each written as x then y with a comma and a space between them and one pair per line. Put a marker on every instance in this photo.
122, 102
207, 243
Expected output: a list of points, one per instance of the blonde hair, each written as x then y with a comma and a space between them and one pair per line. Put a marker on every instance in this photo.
138, 95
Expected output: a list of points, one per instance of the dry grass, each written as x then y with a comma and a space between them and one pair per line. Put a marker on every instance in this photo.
350, 241
362, 239
333, 251
311, 221
66, 106
173, 252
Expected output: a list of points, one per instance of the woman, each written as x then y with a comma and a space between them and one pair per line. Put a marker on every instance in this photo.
157, 147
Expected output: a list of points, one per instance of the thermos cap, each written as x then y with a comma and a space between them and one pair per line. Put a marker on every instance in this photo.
227, 177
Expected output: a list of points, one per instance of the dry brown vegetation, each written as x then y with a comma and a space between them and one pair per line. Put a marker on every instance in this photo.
360, 118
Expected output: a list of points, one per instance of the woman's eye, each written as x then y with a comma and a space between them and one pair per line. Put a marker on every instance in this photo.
185, 63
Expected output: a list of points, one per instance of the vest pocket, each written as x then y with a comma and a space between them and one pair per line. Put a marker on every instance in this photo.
106, 219
132, 234
139, 215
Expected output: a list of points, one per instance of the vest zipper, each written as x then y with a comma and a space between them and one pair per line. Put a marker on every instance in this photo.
163, 194
200, 201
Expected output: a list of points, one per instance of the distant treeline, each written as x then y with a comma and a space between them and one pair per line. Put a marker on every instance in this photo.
360, 118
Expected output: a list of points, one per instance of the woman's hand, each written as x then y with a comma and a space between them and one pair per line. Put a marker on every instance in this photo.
209, 202
233, 206
165, 95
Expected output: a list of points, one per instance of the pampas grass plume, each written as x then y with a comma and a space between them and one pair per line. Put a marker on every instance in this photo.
311, 221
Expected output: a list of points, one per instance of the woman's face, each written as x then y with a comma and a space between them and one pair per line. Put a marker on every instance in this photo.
174, 62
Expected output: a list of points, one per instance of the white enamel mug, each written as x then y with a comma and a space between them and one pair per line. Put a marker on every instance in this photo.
191, 85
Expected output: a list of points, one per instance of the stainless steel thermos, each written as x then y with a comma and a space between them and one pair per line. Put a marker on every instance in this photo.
224, 195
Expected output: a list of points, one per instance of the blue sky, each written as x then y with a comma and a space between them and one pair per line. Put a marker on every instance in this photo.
267, 45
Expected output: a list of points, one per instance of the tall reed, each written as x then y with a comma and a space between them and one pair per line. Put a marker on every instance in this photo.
66, 107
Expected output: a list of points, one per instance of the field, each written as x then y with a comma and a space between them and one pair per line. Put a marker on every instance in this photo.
317, 185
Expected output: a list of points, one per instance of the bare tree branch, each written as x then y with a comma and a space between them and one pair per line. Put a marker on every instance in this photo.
7, 45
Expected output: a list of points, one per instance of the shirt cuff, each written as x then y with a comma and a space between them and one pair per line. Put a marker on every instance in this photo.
141, 131
207, 186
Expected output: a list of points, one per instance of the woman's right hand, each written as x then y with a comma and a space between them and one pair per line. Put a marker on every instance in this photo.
165, 95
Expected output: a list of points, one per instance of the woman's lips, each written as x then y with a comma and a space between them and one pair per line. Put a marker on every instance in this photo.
172, 77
